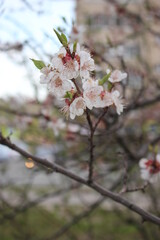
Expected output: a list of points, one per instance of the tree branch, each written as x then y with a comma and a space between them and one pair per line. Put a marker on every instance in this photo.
146, 216
91, 159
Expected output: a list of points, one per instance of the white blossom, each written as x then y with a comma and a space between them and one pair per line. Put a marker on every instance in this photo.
65, 64
92, 96
77, 107
150, 168
86, 64
57, 60
117, 101
89, 83
104, 100
47, 74
70, 69
59, 87
117, 76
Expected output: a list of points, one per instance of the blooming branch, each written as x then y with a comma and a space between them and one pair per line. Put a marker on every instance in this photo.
68, 78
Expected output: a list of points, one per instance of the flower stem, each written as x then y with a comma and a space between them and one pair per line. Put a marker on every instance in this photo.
92, 131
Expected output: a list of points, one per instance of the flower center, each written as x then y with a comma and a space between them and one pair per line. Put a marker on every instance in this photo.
66, 58
153, 165
102, 94
91, 95
79, 104
58, 82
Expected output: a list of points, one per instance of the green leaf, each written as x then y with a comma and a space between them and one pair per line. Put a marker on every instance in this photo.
60, 29
64, 40
109, 86
64, 20
104, 79
58, 35
74, 46
68, 95
38, 63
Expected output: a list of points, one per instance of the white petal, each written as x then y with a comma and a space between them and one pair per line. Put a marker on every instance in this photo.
84, 74
89, 83
117, 101
62, 51
72, 115
158, 158
142, 162
89, 104
117, 76
43, 79
57, 63
116, 93
108, 71
77, 107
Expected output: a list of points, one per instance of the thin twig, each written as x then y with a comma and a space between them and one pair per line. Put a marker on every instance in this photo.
92, 131
91, 159
100, 118
135, 189
77, 87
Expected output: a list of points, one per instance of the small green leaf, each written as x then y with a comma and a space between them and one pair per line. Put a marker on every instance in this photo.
64, 40
68, 95
60, 29
104, 79
38, 63
75, 46
109, 86
64, 20
58, 35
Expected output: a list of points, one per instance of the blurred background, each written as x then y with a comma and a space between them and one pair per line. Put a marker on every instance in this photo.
38, 204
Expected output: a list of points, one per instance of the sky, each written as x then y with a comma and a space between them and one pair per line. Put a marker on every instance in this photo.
19, 22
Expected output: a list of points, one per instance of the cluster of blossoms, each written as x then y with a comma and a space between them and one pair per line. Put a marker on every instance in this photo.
150, 168
68, 79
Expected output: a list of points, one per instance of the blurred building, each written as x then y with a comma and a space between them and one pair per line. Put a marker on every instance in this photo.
131, 31
124, 27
